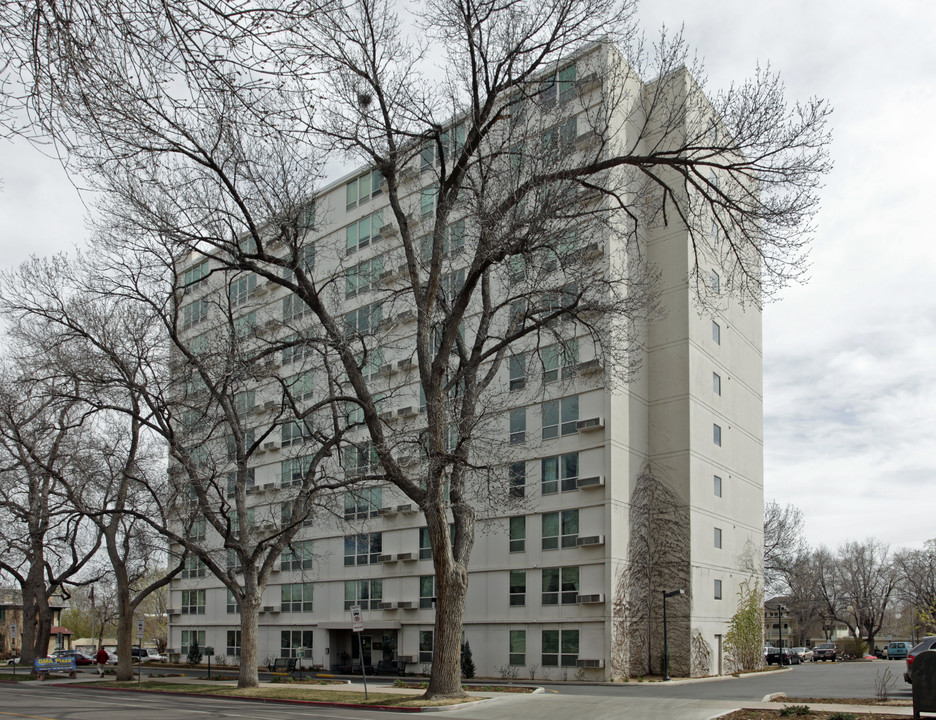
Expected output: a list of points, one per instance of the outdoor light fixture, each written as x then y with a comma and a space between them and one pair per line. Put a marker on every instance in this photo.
671, 593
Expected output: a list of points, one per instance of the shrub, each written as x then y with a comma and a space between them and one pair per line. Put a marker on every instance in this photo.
194, 656
842, 716
744, 641
790, 710
467, 662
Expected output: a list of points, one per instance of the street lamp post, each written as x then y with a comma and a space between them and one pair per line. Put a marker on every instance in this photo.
780, 610
671, 593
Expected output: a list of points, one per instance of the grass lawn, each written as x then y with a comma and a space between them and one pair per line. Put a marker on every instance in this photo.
25, 673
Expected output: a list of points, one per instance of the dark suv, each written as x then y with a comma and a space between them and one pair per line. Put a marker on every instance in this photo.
825, 651
927, 643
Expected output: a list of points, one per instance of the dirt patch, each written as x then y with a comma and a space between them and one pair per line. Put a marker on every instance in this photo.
842, 701
812, 715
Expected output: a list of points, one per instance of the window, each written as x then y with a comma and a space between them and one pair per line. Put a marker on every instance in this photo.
192, 638
517, 426
198, 530
233, 562
425, 646
194, 313
517, 533
294, 308
716, 383
716, 332
360, 234
244, 325
560, 416
428, 197
295, 432
370, 362
305, 262
427, 591
516, 479
194, 276
517, 587
718, 538
716, 434
516, 269
361, 503
296, 597
364, 320
301, 386
560, 648
360, 459
194, 568
241, 289
366, 593
235, 520
363, 276
517, 315
244, 401
362, 549
556, 357
296, 350
517, 647
233, 647
293, 471
363, 188
560, 528
715, 282
193, 602
425, 545
292, 640
560, 585
517, 365
718, 592
231, 603
560, 473
717, 485
297, 556
286, 510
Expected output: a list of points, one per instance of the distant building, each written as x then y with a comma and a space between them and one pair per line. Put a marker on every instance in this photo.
11, 613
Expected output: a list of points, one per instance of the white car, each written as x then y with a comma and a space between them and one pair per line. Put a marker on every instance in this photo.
805, 654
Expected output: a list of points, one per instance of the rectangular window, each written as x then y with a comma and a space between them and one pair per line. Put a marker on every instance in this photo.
716, 383
198, 530
194, 276
291, 641
295, 350
425, 546
517, 372
560, 416
363, 188
516, 269
296, 597
560, 585
241, 289
294, 308
517, 587
718, 592
427, 591
362, 503
716, 434
516, 479
428, 197
715, 282
301, 386
560, 361
244, 325
295, 432
517, 426
560, 648
716, 332
194, 313
717, 485
297, 556
194, 567
560, 473
363, 549
193, 602
517, 533
363, 276
364, 320
360, 234
360, 459
233, 647
293, 471
560, 529
231, 604
190, 638
718, 538
366, 593
425, 646
305, 262
517, 647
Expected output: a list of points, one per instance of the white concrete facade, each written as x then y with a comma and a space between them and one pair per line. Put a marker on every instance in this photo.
692, 415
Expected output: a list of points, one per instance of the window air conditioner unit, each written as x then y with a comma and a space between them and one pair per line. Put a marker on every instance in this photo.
267, 487
405, 316
590, 424
406, 556
386, 558
173, 611
407, 508
404, 364
387, 605
389, 230
270, 405
589, 599
406, 605
590, 482
583, 663
588, 366
388, 511
268, 608
407, 411
270, 445
388, 415
585, 540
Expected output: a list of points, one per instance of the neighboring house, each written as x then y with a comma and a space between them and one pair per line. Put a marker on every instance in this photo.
548, 579
11, 612
781, 628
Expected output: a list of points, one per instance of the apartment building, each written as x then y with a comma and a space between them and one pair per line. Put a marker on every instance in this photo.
567, 573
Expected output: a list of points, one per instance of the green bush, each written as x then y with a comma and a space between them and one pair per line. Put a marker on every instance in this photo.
853, 647
467, 662
842, 716
790, 710
194, 654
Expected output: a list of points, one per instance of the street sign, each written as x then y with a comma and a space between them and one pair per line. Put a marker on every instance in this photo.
357, 623
140, 629
13, 631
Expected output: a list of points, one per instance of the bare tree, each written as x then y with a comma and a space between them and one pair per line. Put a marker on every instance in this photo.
916, 571
498, 176
784, 543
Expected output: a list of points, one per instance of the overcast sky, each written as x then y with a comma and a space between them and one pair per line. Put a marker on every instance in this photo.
849, 358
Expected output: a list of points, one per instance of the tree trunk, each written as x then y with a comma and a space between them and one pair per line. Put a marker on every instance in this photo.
451, 590
28, 640
124, 635
43, 623
248, 676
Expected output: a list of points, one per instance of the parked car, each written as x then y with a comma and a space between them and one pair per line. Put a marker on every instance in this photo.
825, 651
805, 653
146, 655
112, 659
782, 656
898, 650
80, 657
14, 661
927, 643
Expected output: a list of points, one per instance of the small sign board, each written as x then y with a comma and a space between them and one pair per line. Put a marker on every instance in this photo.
56, 664
924, 682
357, 623
140, 629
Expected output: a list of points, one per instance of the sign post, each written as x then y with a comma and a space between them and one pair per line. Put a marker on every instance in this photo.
139, 634
13, 644
357, 626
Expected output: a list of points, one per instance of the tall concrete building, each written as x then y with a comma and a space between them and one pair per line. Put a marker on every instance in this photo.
620, 491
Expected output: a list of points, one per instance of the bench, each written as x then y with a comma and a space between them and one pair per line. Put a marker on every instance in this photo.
283, 665
391, 667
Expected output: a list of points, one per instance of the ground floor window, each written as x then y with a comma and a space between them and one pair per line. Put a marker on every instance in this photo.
192, 638
291, 641
233, 643
518, 647
560, 648
425, 646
